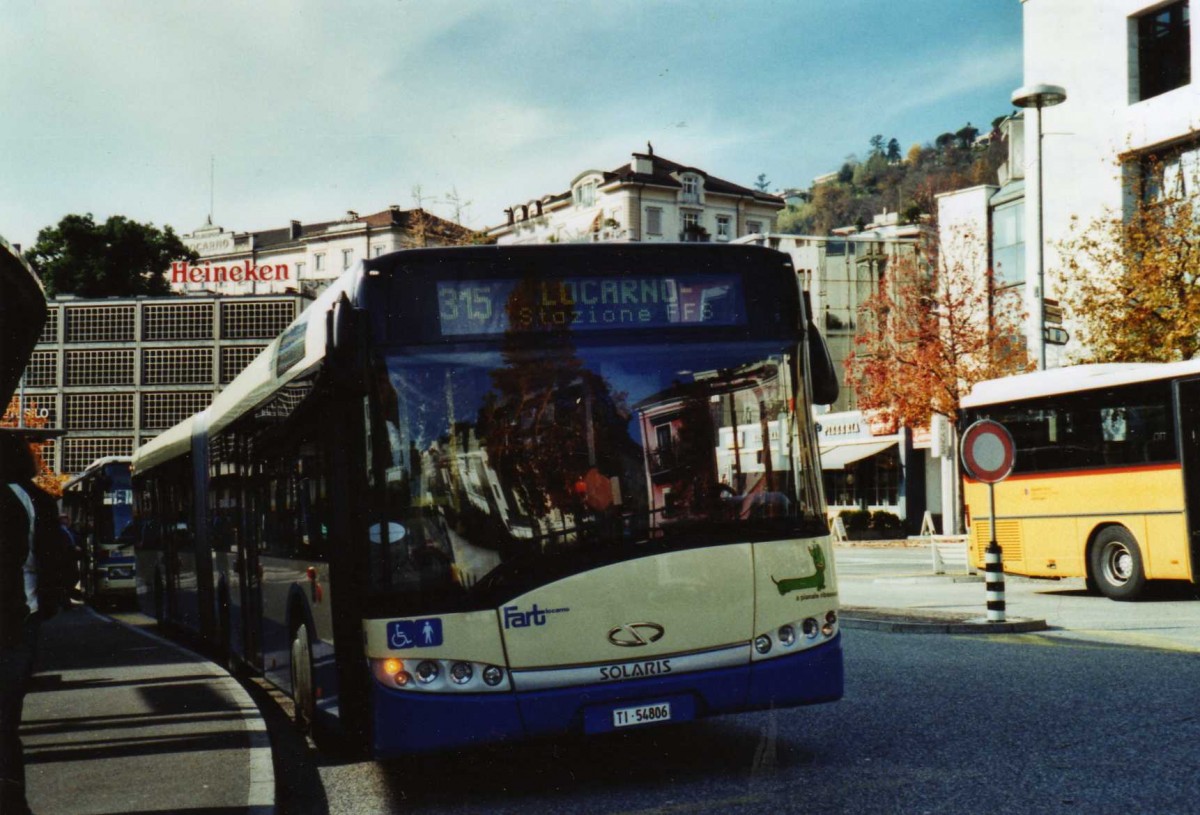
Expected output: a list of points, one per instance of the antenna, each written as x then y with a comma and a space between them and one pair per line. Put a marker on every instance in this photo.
212, 185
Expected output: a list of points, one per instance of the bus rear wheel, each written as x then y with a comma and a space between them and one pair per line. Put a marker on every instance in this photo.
1115, 563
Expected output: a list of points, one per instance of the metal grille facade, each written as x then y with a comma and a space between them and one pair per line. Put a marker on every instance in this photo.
80, 451
100, 323
234, 359
42, 371
180, 365
161, 410
262, 320
98, 411
99, 367
50, 328
114, 373
177, 321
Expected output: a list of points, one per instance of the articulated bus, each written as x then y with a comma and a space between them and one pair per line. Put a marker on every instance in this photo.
479, 494
1106, 479
99, 502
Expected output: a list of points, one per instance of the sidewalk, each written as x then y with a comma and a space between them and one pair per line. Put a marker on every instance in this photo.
119, 720
892, 587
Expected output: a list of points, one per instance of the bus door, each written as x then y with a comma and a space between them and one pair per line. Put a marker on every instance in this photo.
1187, 395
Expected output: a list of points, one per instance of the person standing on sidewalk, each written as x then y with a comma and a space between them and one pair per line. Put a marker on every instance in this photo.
32, 558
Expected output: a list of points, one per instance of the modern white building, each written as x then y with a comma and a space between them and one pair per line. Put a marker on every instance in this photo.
300, 257
1127, 68
649, 199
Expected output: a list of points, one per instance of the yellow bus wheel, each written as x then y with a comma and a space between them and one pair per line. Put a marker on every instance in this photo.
1115, 562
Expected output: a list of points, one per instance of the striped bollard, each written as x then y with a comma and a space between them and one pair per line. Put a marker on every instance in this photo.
994, 585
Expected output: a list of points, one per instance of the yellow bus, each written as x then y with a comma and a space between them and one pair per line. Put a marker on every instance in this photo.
1106, 483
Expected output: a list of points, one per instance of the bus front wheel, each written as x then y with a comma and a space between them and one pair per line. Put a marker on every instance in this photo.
1116, 564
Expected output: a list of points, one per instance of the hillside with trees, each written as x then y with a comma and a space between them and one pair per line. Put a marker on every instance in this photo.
886, 179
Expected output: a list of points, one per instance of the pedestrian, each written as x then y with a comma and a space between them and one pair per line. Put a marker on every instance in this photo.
35, 574
18, 612
71, 541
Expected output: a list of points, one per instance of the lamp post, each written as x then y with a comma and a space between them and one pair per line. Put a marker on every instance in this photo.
1039, 96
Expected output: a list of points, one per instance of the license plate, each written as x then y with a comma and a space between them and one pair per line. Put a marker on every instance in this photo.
642, 714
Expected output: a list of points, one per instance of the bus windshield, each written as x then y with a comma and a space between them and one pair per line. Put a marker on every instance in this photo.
496, 471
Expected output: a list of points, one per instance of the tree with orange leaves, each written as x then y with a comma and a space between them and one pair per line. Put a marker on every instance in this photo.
936, 325
1134, 292
47, 479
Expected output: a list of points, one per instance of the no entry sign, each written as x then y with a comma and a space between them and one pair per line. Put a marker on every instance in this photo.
988, 451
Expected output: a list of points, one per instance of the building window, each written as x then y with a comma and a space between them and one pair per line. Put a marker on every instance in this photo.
723, 228
347, 258
299, 269
654, 221
691, 189
585, 194
693, 230
376, 251
1163, 50
754, 227
319, 261
1170, 175
1008, 244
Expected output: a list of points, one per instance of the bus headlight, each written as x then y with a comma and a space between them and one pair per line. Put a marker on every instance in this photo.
787, 635
427, 671
762, 643
811, 628
461, 672
439, 675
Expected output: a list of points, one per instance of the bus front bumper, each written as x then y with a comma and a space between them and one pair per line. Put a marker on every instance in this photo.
407, 722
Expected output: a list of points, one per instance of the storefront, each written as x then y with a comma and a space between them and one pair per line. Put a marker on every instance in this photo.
871, 466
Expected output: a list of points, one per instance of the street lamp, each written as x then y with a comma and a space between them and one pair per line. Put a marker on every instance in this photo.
1039, 96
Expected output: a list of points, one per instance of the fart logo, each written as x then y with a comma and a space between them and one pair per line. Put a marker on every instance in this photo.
403, 634
515, 618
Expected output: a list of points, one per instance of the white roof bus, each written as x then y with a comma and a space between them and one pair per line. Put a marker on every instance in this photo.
99, 501
479, 494
1106, 479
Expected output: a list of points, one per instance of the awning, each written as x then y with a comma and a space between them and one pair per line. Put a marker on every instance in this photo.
837, 456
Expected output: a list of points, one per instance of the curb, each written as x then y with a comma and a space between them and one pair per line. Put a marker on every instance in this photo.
260, 794
901, 623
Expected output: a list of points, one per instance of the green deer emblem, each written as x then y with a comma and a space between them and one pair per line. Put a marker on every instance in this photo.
812, 581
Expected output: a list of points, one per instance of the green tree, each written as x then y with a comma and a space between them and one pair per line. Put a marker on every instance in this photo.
119, 257
893, 151
762, 184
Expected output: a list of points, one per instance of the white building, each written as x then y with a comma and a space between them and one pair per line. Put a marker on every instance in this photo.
302, 257
1127, 68
649, 199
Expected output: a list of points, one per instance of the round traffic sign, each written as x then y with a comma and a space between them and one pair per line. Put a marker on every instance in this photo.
988, 451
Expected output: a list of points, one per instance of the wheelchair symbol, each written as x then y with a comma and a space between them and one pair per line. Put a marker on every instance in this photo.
425, 633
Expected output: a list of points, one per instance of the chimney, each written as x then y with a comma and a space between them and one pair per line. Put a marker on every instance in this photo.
294, 231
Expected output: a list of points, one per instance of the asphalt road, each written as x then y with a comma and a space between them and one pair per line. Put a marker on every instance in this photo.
930, 724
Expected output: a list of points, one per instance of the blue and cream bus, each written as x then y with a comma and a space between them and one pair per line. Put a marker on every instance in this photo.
486, 493
99, 502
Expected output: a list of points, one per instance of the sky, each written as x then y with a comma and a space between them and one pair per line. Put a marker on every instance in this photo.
267, 111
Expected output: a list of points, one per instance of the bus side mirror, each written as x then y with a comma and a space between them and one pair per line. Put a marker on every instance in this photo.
346, 346
825, 387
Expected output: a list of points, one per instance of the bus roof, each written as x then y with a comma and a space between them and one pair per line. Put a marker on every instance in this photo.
1057, 381
95, 467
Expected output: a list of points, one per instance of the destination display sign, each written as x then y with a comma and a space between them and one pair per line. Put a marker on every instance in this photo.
490, 307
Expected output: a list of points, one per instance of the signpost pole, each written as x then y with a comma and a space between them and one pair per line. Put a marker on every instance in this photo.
993, 558
988, 454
